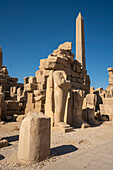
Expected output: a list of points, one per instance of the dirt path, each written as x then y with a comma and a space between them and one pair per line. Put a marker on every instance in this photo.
62, 145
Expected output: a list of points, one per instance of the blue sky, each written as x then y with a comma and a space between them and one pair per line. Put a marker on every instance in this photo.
31, 29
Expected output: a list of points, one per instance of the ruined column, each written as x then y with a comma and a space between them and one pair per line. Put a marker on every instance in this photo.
110, 70
34, 138
1, 54
80, 41
110, 87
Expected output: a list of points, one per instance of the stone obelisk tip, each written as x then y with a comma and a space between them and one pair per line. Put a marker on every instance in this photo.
0, 49
1, 55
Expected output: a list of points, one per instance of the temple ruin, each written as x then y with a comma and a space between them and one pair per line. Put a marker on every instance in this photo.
60, 89
59, 97
12, 98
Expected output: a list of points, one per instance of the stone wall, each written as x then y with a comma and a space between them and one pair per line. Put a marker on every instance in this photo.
12, 99
61, 59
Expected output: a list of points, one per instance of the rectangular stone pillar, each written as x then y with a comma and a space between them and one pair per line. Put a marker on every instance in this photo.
80, 41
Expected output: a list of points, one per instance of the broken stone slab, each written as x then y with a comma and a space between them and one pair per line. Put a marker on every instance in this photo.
34, 139
106, 109
8, 118
15, 117
13, 79
38, 98
85, 125
66, 46
59, 60
32, 79
103, 118
3, 143
30, 87
20, 118
62, 130
75, 85
42, 72
2, 122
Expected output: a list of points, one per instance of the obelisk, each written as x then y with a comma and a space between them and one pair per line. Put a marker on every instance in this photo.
80, 41
1, 54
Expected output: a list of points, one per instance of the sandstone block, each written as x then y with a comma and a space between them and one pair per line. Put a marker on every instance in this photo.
75, 85
8, 118
73, 74
15, 117
81, 81
30, 87
34, 139
32, 79
83, 87
13, 79
77, 74
3, 143
66, 46
20, 118
74, 79
78, 69
41, 79
42, 72
81, 75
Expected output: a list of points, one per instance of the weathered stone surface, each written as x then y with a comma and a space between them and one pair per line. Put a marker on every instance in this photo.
57, 90
92, 90
3, 143
106, 109
8, 118
34, 139
80, 41
55, 75
15, 117
20, 118
78, 96
66, 46
91, 100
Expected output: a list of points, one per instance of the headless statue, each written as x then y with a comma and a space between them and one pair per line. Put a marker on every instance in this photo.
61, 87
78, 96
91, 100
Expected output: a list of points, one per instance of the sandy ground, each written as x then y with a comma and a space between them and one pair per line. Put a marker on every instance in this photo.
62, 145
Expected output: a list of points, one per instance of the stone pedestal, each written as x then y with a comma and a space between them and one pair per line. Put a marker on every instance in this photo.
34, 139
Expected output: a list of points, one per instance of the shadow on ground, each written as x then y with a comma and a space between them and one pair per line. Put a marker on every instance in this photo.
2, 157
64, 149
12, 138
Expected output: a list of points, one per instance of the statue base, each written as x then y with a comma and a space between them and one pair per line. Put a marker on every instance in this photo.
62, 129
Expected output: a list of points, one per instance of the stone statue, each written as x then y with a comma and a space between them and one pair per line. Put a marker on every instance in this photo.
91, 100
13, 92
61, 87
78, 96
1, 100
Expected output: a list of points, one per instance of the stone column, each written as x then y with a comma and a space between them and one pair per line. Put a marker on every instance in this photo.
110, 87
110, 70
34, 138
80, 41
1, 54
